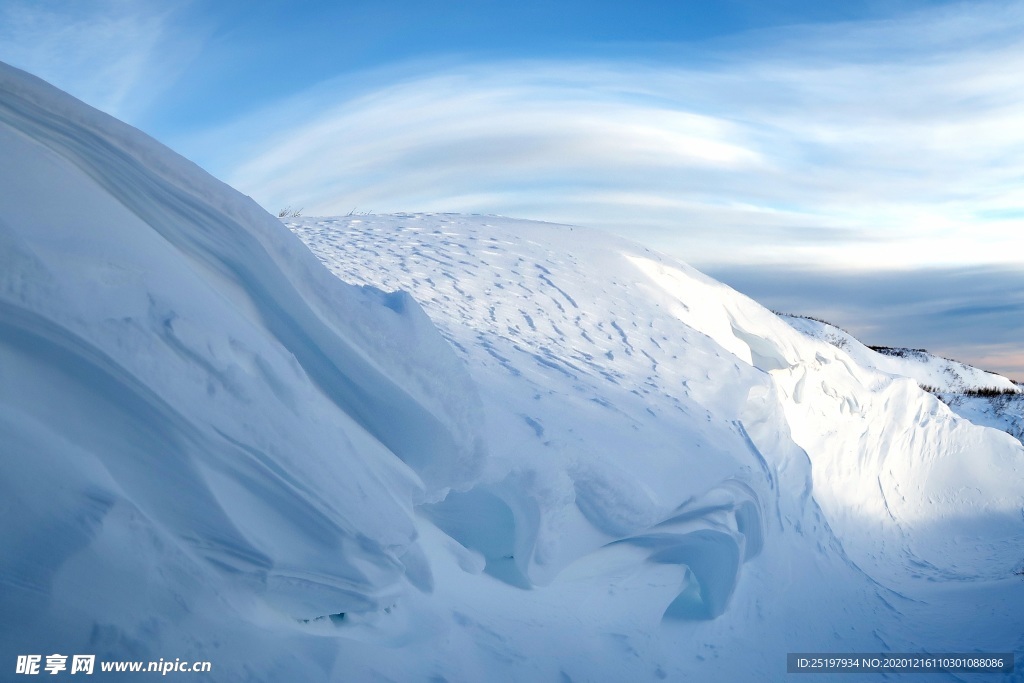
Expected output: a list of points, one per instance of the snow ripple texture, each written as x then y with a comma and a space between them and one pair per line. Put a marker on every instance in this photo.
578, 318
641, 413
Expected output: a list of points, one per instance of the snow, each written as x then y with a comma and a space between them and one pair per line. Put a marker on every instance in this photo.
1004, 411
983, 398
188, 368
929, 370
481, 449
638, 404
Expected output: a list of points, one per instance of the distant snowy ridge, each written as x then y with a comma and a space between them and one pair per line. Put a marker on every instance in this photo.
984, 398
508, 451
929, 370
1000, 411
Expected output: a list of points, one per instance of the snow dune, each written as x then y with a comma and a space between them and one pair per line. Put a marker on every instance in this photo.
576, 317
960, 386
638, 409
945, 375
178, 372
504, 450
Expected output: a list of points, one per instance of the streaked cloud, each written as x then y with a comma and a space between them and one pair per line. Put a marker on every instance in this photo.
973, 314
116, 55
523, 133
869, 172
885, 143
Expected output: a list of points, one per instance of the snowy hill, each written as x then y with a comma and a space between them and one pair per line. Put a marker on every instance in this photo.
579, 460
191, 406
627, 387
982, 397
929, 370
1002, 411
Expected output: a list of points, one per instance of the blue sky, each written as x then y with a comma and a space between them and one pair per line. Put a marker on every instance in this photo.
859, 161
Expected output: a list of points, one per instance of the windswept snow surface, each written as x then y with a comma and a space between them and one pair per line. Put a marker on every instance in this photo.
595, 465
945, 375
205, 436
675, 468
960, 386
1004, 411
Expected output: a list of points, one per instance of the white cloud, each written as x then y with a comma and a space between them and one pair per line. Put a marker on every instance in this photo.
974, 314
116, 55
438, 133
885, 143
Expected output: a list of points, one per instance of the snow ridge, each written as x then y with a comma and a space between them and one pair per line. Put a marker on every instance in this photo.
180, 377
982, 397
627, 393
945, 375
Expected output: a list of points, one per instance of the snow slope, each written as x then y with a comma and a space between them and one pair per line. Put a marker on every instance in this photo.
962, 387
945, 375
190, 404
1004, 411
596, 464
626, 392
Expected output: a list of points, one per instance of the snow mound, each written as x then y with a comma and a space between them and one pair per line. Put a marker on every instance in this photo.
982, 397
647, 338
183, 384
640, 414
928, 370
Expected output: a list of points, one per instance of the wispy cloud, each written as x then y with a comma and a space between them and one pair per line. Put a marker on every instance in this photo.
886, 143
522, 132
973, 314
116, 55
868, 172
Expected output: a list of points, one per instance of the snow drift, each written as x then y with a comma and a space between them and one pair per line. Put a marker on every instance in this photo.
942, 374
182, 383
590, 462
643, 415
981, 397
